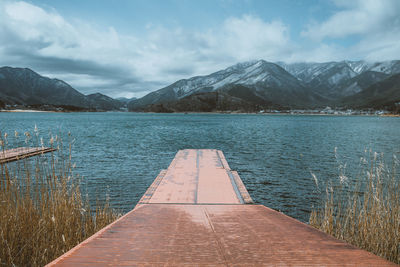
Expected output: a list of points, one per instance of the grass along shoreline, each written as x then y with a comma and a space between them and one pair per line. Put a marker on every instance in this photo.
43, 213
365, 214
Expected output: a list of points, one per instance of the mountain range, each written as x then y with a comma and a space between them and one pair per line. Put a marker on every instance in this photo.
24, 87
247, 86
259, 84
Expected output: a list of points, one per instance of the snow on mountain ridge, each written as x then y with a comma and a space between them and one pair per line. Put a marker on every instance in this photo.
256, 71
246, 73
306, 72
242, 65
387, 67
358, 66
302, 84
338, 77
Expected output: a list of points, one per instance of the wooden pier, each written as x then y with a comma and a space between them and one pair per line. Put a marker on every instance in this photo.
199, 213
19, 153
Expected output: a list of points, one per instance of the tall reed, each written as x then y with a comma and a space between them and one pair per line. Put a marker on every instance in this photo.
43, 213
365, 213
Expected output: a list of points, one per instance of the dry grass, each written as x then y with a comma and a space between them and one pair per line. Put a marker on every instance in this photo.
42, 211
365, 214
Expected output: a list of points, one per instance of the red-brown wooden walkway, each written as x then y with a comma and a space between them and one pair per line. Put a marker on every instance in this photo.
198, 213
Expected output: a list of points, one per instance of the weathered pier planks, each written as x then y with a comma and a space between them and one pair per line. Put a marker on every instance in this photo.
197, 177
198, 213
19, 153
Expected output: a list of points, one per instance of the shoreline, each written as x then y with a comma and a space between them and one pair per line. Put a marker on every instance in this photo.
212, 112
25, 110
273, 114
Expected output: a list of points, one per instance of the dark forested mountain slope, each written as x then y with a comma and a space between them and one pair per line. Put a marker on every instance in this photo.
25, 87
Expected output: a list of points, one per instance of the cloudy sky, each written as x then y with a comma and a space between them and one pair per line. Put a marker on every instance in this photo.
131, 47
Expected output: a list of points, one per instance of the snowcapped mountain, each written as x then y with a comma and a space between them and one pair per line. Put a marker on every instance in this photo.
360, 82
329, 81
359, 66
291, 85
307, 71
265, 80
387, 67
334, 80
385, 93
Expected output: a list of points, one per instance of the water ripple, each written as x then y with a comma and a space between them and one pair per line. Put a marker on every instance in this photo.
120, 154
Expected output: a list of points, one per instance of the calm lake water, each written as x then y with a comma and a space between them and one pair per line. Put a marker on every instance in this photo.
120, 154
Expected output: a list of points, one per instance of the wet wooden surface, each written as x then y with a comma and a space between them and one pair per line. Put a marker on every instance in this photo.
198, 177
19, 153
214, 235
206, 229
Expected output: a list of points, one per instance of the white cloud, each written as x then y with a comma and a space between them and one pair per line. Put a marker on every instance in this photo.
43, 40
249, 37
360, 17
96, 59
88, 57
380, 46
320, 53
31, 23
374, 24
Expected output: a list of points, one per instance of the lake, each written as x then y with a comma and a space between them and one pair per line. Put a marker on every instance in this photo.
120, 154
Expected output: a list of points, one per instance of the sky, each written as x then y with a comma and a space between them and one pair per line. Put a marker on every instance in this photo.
128, 48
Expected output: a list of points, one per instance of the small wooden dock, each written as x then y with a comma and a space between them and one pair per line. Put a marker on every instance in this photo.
19, 153
199, 213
